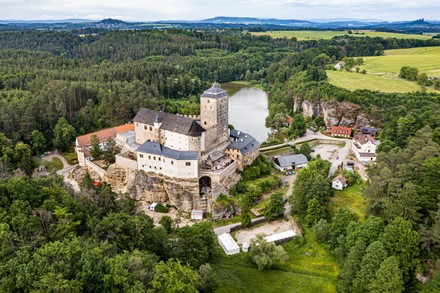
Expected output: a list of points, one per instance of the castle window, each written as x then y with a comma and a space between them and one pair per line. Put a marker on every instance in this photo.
172, 162
205, 122
149, 157
158, 159
145, 127
141, 155
208, 101
154, 158
188, 163
151, 128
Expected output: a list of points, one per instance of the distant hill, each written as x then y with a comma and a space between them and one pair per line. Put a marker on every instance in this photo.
223, 22
111, 21
256, 21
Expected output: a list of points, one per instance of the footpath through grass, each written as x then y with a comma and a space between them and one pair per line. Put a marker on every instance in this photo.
326, 35
310, 269
351, 198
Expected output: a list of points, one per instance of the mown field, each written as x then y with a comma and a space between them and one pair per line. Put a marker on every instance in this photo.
383, 71
318, 35
315, 271
427, 60
384, 83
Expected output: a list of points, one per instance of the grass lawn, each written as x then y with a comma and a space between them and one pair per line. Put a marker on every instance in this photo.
316, 272
52, 166
350, 198
279, 151
318, 35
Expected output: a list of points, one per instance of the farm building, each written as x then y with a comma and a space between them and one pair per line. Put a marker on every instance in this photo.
291, 162
228, 244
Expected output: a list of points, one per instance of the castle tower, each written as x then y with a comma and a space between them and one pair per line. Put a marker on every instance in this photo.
214, 117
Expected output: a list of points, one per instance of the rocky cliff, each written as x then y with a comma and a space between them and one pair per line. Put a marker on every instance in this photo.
181, 193
333, 112
151, 187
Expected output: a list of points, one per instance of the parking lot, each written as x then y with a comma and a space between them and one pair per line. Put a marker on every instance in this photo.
336, 154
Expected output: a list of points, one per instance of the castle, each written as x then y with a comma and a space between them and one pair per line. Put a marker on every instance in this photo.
187, 161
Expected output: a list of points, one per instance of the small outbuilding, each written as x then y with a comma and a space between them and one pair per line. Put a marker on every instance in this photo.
228, 244
197, 215
291, 162
339, 183
152, 207
280, 238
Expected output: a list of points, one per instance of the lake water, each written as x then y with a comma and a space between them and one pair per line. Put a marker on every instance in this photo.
248, 109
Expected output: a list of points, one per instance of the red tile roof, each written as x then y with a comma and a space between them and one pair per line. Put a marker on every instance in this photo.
340, 130
103, 135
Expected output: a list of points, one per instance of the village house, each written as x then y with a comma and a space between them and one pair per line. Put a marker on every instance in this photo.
368, 130
339, 183
288, 120
83, 142
339, 131
291, 162
364, 148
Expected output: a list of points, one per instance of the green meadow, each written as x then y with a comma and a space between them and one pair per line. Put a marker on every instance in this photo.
383, 71
311, 268
326, 35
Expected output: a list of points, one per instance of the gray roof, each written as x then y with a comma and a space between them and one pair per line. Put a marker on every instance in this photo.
243, 141
170, 122
287, 161
215, 92
155, 148
368, 155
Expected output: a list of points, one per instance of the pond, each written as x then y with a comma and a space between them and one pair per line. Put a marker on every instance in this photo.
248, 109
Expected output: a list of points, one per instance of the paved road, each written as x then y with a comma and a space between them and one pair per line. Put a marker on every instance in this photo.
65, 172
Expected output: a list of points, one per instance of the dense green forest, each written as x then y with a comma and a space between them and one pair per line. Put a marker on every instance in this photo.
53, 240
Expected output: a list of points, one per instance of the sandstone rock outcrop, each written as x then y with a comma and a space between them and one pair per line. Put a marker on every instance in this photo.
334, 113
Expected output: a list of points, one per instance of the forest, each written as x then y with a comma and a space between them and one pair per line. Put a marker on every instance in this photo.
56, 85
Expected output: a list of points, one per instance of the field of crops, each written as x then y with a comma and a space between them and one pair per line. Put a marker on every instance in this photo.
317, 35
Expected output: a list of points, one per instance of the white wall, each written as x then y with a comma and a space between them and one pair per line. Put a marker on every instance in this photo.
176, 141
167, 166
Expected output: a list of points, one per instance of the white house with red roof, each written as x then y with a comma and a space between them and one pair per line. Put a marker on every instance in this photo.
339, 131
364, 148
83, 142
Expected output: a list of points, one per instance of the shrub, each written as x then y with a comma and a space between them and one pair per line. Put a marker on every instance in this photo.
160, 208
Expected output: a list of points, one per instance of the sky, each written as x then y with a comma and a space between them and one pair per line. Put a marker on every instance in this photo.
151, 10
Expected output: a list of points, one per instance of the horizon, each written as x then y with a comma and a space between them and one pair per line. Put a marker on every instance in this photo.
193, 10
226, 16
